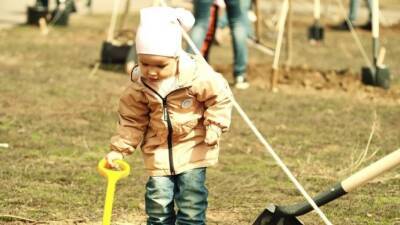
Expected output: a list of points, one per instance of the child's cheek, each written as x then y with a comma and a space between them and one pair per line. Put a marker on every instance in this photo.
142, 69
166, 73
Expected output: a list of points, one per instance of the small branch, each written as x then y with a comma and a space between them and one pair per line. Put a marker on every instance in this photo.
385, 179
363, 156
94, 70
85, 144
4, 145
16, 218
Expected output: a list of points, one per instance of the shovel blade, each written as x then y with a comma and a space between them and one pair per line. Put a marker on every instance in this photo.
270, 217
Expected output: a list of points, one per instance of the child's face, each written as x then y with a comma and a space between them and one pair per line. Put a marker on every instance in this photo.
155, 67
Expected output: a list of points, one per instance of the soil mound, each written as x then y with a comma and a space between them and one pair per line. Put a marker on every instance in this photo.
305, 78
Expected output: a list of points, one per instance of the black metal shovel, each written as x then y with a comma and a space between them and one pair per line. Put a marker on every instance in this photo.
286, 215
316, 31
377, 74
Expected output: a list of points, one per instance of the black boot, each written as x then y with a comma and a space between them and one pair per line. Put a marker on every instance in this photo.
42, 3
343, 26
367, 26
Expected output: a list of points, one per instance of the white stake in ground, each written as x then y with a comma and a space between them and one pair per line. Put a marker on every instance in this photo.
281, 30
289, 36
256, 4
111, 29
316, 31
375, 30
381, 77
355, 37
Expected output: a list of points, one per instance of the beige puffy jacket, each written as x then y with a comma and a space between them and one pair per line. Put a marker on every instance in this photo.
172, 129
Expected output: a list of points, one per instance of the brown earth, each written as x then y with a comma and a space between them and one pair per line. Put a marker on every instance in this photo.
304, 78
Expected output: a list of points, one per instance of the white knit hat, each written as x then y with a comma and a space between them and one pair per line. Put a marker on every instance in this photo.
159, 31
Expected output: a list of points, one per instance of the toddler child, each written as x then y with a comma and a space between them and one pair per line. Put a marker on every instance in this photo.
175, 108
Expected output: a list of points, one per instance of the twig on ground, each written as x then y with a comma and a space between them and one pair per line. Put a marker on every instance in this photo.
94, 70
356, 162
363, 158
85, 144
44, 30
5, 217
384, 179
4, 145
321, 177
8, 217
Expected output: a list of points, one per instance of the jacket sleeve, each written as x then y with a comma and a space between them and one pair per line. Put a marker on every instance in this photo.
214, 91
133, 120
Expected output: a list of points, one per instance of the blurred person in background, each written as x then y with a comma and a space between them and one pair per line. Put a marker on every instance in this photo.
237, 24
353, 13
223, 20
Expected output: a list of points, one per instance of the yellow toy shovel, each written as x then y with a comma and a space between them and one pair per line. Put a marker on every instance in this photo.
112, 177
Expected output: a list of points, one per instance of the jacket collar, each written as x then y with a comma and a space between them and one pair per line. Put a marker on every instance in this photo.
187, 70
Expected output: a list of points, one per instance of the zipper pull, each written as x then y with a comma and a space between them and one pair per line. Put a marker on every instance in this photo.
165, 112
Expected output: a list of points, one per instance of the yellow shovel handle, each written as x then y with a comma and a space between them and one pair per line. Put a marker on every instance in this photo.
112, 178
109, 201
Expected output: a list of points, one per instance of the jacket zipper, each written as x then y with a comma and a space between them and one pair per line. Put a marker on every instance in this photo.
169, 124
169, 137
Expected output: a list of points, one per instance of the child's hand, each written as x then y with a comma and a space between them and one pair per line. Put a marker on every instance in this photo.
213, 133
110, 157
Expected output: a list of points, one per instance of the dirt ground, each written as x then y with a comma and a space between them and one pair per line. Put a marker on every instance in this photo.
304, 79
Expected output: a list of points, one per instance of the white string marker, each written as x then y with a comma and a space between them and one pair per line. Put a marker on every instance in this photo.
281, 30
281, 27
355, 37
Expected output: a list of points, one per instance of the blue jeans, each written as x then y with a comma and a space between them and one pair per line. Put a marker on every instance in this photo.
237, 25
246, 6
353, 9
189, 192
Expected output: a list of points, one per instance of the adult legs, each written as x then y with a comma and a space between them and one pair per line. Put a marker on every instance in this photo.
201, 10
246, 6
352, 16
354, 6
353, 10
368, 24
239, 36
369, 5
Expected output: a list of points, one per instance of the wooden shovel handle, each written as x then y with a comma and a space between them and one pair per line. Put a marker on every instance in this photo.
343, 187
372, 171
256, 4
381, 57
